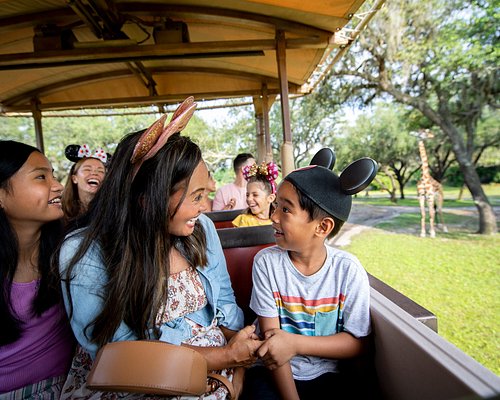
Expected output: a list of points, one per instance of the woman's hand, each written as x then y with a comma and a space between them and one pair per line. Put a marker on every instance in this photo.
242, 347
240, 351
278, 348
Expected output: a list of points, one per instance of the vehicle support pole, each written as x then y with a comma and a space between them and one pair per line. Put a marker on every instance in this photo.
266, 105
262, 104
287, 164
259, 125
37, 118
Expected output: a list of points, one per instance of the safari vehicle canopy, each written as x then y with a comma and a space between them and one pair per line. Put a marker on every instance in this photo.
70, 54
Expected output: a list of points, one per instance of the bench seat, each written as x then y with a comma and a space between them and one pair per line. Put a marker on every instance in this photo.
408, 359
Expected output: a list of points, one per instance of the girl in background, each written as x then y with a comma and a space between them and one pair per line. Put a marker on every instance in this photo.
261, 193
36, 342
84, 179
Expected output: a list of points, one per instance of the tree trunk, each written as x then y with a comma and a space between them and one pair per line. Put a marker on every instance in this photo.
487, 218
392, 191
401, 189
461, 192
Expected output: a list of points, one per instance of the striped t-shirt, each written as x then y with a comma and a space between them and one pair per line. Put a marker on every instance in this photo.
334, 299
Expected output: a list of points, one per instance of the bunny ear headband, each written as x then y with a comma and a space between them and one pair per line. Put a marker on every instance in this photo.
331, 192
268, 171
155, 137
75, 152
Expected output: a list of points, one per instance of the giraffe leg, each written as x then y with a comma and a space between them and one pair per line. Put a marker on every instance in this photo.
432, 215
439, 208
421, 200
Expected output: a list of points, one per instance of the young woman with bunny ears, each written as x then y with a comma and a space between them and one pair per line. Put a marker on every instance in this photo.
149, 264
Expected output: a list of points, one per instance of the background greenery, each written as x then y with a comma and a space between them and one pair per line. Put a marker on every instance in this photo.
455, 275
431, 64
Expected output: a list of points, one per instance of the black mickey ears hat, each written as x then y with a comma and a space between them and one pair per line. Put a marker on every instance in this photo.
331, 192
75, 152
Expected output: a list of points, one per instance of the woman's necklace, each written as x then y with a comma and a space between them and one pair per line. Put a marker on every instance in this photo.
26, 272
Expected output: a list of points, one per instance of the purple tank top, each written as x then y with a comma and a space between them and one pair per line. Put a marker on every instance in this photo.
45, 348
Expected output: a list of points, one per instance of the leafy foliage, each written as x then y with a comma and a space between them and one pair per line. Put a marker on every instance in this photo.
441, 59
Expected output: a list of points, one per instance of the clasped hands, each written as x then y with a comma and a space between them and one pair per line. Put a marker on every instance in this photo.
274, 350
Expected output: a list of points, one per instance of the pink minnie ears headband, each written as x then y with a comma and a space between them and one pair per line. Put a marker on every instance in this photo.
155, 137
75, 152
268, 171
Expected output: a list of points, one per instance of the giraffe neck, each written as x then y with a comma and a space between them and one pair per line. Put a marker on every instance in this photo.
425, 164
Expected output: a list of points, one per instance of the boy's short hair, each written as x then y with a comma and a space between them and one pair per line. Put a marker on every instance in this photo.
315, 212
240, 160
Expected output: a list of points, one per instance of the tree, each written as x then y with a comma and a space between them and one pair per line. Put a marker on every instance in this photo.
383, 135
312, 124
19, 129
439, 58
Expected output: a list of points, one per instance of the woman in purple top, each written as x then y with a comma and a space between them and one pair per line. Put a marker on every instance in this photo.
36, 341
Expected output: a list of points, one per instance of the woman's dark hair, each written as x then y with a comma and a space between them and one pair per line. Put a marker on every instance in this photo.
129, 219
315, 212
268, 188
13, 155
70, 201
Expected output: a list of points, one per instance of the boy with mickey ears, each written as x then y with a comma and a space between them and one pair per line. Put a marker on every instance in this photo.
312, 300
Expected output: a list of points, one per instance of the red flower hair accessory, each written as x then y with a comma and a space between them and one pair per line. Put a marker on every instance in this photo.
269, 171
155, 137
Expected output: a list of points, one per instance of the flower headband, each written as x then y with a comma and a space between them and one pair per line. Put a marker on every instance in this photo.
75, 152
269, 171
155, 137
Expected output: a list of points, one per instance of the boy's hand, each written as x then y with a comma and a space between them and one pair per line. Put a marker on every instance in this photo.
278, 348
243, 347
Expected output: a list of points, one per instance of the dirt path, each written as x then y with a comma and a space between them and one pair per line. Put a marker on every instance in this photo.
363, 217
366, 216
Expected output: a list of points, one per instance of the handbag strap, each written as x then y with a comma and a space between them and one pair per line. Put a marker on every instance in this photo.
223, 380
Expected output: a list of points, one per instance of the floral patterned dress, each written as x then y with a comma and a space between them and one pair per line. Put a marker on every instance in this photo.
185, 295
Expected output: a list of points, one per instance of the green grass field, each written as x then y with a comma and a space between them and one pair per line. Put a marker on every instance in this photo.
455, 275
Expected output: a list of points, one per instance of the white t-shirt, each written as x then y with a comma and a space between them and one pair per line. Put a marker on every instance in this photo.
334, 299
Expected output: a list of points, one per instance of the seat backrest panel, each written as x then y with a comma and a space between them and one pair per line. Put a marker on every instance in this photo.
240, 246
223, 219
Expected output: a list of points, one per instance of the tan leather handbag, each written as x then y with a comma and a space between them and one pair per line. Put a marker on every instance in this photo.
153, 367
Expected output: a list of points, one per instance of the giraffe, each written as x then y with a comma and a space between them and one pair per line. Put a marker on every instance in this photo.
428, 188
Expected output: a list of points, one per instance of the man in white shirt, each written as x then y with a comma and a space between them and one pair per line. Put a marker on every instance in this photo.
233, 196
